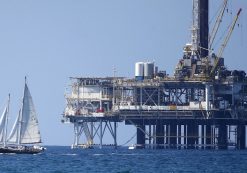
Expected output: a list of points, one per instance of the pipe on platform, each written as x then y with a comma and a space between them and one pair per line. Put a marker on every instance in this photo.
207, 95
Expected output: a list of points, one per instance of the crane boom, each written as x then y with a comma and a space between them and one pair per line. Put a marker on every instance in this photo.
219, 55
217, 24
229, 33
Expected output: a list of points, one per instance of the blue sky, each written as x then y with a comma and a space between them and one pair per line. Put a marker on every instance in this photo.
51, 40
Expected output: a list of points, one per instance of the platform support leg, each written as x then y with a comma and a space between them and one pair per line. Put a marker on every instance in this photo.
101, 134
222, 137
140, 136
115, 135
241, 136
173, 135
160, 136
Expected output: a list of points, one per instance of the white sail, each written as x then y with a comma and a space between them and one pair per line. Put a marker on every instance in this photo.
13, 136
3, 124
25, 129
29, 130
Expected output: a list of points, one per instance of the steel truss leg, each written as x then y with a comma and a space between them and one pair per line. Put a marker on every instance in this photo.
101, 134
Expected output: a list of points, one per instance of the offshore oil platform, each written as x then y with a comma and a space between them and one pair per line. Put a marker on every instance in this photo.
204, 105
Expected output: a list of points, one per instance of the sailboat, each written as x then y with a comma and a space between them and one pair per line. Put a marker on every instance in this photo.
25, 135
3, 123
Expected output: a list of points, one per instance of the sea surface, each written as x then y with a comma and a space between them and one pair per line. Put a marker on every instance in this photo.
64, 160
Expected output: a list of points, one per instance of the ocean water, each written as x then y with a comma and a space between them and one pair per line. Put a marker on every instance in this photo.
65, 160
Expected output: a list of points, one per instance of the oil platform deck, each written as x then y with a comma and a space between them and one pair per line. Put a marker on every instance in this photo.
204, 105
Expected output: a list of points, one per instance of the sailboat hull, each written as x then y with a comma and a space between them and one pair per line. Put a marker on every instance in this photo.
21, 150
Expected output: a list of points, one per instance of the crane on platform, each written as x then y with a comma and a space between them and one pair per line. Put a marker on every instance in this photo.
217, 24
223, 46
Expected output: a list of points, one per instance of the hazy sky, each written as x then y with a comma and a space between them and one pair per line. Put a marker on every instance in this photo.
51, 40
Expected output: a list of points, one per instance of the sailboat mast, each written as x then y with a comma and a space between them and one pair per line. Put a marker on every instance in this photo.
21, 114
6, 124
19, 128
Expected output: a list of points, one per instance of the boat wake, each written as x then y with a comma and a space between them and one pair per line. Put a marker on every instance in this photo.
69, 154
98, 154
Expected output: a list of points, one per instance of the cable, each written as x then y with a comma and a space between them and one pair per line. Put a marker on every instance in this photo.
128, 140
